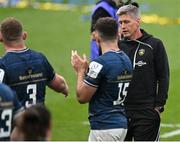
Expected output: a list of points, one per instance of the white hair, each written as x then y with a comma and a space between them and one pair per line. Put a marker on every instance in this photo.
130, 10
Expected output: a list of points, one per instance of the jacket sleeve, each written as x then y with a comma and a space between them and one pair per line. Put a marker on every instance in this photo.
162, 74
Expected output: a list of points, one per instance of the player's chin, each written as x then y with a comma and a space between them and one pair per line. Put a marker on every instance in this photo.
126, 34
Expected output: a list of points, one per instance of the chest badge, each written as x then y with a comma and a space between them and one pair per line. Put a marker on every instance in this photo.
141, 52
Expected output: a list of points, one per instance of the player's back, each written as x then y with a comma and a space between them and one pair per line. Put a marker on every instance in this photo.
8, 106
106, 106
27, 72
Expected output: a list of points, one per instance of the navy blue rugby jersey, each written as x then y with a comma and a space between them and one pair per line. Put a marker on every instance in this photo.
9, 105
27, 72
110, 74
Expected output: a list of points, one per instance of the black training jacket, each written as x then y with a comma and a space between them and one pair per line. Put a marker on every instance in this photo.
150, 83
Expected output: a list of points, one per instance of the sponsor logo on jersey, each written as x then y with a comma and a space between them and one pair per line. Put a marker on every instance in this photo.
141, 52
140, 63
94, 69
31, 76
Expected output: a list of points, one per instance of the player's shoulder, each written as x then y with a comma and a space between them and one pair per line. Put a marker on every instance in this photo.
38, 55
116, 57
122, 54
113, 55
101, 62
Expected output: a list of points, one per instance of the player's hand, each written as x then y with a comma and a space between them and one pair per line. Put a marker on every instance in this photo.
159, 109
80, 64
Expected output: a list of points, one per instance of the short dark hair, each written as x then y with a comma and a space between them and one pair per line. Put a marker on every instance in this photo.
107, 28
34, 123
11, 29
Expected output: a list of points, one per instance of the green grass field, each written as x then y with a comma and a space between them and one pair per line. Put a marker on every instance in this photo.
56, 33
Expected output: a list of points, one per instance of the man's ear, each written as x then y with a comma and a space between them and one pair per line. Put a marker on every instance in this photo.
96, 36
1, 38
138, 21
93, 35
24, 36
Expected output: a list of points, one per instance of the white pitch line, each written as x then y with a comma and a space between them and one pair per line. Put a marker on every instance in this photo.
164, 125
171, 134
165, 135
85, 122
170, 125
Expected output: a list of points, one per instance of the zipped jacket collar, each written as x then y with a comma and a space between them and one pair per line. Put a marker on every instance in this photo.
140, 41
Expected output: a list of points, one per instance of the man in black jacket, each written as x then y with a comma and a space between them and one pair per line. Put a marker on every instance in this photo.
104, 8
148, 90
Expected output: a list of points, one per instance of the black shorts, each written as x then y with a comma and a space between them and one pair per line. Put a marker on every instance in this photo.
143, 125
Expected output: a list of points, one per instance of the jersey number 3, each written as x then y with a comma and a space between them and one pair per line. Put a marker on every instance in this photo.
6, 116
122, 93
31, 91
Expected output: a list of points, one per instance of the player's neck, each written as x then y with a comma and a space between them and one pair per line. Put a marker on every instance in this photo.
14, 46
109, 46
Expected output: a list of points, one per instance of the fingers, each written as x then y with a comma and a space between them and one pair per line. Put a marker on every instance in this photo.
84, 57
73, 53
73, 56
76, 58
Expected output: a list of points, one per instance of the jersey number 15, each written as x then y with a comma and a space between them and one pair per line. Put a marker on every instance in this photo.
122, 93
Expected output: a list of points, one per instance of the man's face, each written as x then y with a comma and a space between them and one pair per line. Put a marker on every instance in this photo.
128, 25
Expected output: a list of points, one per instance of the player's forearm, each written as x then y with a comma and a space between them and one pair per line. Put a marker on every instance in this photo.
64, 87
80, 89
59, 85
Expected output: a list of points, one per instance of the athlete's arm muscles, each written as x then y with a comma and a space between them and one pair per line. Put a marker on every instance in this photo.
59, 84
84, 92
55, 81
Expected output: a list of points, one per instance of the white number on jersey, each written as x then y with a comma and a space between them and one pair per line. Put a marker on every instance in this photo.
122, 93
6, 116
31, 91
1, 75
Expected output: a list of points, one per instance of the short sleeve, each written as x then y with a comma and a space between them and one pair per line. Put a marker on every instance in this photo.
50, 70
94, 74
